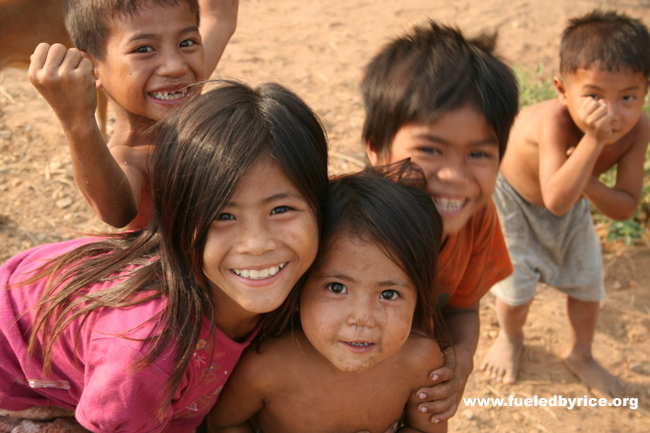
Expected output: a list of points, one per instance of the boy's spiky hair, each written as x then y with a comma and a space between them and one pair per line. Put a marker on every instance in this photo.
88, 21
429, 71
605, 39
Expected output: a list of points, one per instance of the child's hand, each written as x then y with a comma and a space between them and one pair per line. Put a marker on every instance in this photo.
66, 80
596, 118
443, 397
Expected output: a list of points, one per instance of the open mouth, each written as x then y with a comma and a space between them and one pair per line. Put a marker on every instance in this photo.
258, 274
355, 344
170, 96
449, 205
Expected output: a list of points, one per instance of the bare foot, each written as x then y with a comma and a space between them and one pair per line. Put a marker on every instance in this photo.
502, 361
599, 381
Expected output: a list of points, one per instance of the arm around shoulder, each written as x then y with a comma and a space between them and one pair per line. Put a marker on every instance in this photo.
424, 354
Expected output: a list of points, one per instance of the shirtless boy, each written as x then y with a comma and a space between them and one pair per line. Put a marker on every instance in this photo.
144, 55
550, 174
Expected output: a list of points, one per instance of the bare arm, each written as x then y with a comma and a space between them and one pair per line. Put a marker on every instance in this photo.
562, 178
241, 397
218, 24
620, 202
429, 357
65, 79
443, 398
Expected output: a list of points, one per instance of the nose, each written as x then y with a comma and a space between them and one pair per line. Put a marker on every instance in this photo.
173, 64
361, 313
613, 108
453, 171
256, 239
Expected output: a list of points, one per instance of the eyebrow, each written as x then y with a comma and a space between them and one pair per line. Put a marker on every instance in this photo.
273, 198
436, 139
145, 36
346, 278
627, 89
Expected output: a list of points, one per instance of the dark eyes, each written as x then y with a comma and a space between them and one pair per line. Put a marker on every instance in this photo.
188, 43
386, 295
280, 209
225, 216
337, 288
389, 295
144, 49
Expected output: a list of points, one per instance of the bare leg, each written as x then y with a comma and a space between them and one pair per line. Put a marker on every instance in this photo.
502, 361
583, 317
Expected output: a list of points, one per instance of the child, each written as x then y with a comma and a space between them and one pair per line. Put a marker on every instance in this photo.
549, 177
365, 321
145, 55
447, 103
139, 331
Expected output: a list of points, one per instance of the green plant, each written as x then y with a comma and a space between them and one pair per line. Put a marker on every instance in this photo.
626, 231
532, 87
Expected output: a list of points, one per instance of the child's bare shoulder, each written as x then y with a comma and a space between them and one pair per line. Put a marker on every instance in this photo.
265, 363
547, 113
135, 156
421, 353
641, 131
540, 118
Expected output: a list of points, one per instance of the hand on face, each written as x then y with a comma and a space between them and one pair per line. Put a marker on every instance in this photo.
596, 118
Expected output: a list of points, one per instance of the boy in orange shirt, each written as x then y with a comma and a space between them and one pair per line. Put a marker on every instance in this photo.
448, 103
557, 150
145, 55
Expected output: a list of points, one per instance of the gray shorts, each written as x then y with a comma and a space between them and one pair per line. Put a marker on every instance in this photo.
562, 251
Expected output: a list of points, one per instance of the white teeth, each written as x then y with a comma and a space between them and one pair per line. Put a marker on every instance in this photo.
445, 204
351, 343
259, 274
170, 96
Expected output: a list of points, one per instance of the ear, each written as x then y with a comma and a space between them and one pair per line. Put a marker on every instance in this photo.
96, 68
371, 152
561, 89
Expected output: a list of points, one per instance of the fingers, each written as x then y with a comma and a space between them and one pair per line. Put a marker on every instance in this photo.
52, 62
442, 374
595, 115
444, 403
440, 410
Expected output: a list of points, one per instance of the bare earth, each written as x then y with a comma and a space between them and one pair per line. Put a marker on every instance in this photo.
318, 48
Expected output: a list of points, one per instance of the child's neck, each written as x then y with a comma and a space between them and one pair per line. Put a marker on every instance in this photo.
132, 130
236, 329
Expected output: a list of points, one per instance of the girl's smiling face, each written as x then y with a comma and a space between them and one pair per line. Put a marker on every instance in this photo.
357, 306
260, 245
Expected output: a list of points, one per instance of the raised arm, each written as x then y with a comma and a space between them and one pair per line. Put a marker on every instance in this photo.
218, 24
620, 202
563, 178
66, 80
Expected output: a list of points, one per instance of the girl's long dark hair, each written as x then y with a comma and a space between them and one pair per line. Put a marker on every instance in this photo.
203, 150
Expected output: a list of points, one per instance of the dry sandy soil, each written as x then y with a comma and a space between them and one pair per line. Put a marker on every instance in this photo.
318, 48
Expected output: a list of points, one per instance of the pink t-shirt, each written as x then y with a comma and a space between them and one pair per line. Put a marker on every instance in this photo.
94, 374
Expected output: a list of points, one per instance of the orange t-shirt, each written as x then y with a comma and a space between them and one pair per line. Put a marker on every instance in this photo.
472, 260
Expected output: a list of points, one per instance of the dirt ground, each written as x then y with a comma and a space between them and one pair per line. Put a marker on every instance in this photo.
318, 48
